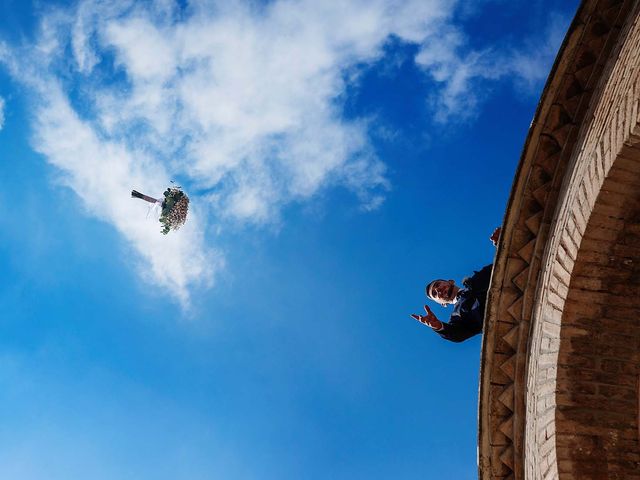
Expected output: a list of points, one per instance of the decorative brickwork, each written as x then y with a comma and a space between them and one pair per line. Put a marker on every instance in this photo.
598, 353
556, 399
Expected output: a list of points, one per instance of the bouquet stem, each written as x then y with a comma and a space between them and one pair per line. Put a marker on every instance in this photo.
142, 196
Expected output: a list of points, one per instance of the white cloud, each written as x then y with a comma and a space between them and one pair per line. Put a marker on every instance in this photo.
464, 72
249, 94
102, 172
238, 101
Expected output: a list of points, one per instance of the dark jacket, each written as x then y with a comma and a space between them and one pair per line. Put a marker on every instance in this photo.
468, 313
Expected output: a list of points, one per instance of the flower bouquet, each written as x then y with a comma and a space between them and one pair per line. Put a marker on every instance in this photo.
175, 206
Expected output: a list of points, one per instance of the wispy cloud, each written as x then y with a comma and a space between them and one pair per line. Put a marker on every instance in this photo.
240, 102
466, 75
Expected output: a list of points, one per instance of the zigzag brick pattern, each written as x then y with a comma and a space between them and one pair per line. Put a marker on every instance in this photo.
571, 171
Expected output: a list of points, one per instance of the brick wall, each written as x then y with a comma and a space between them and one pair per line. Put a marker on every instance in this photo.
581, 267
596, 425
557, 393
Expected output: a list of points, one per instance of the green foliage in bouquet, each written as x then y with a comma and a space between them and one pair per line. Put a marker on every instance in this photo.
175, 207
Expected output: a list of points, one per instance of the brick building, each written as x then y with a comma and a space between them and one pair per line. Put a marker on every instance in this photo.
559, 384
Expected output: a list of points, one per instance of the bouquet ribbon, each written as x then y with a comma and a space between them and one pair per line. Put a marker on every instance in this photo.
155, 209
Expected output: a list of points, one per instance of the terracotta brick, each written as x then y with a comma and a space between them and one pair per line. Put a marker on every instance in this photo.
585, 338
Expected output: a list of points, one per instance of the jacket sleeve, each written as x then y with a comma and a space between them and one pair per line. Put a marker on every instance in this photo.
479, 281
467, 323
457, 332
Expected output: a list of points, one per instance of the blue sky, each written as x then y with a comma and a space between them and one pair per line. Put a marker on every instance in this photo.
337, 156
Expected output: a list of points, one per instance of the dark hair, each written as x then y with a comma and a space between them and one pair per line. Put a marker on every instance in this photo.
429, 285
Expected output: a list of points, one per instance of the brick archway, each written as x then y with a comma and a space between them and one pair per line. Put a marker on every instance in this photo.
568, 231
598, 359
